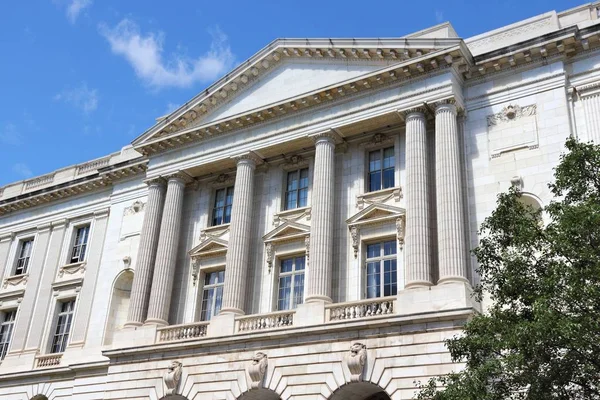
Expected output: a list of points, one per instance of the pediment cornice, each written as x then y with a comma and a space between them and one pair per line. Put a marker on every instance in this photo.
411, 58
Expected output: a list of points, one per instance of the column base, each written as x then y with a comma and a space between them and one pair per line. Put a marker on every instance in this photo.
231, 310
318, 298
450, 296
156, 321
132, 324
453, 279
418, 284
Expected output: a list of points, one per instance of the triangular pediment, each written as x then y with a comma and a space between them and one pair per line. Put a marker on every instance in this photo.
374, 213
286, 231
210, 246
292, 74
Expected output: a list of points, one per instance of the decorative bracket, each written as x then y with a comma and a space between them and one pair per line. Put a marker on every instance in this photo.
356, 360
257, 370
173, 377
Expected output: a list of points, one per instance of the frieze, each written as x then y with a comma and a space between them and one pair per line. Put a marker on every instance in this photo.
511, 113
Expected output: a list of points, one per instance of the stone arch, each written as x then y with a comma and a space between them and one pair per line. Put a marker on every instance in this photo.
530, 199
39, 397
259, 394
360, 391
173, 397
119, 304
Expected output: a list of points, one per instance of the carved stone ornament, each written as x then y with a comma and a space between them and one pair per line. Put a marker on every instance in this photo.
400, 230
378, 140
71, 269
307, 244
356, 360
195, 270
257, 370
355, 233
15, 280
224, 180
135, 208
126, 262
173, 377
510, 113
294, 162
269, 253
517, 183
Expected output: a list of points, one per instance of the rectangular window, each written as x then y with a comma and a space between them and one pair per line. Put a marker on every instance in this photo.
212, 294
6, 328
291, 283
63, 327
381, 169
222, 208
24, 255
296, 194
381, 269
80, 244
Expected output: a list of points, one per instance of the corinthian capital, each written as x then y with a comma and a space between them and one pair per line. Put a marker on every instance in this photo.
248, 157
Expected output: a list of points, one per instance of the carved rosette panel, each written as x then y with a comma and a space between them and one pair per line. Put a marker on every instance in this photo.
511, 112
257, 369
134, 208
173, 377
356, 360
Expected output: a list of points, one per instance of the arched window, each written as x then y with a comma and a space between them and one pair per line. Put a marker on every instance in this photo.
119, 305
259, 394
39, 397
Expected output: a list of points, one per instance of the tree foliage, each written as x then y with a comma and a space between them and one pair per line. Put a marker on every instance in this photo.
540, 339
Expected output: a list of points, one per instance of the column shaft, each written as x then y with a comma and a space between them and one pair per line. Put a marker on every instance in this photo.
417, 250
322, 215
142, 281
166, 255
236, 263
450, 218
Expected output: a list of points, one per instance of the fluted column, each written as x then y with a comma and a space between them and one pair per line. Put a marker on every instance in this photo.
417, 247
322, 214
450, 218
238, 252
142, 280
166, 256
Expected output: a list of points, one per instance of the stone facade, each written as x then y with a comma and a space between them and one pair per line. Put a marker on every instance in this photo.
245, 246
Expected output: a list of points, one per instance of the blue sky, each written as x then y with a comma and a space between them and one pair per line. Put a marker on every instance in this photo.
80, 79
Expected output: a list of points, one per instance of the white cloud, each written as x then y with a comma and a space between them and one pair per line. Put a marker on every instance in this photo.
75, 7
22, 170
171, 107
10, 135
439, 16
145, 54
80, 97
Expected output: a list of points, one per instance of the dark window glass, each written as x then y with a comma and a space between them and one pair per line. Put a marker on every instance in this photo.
212, 294
382, 276
291, 283
381, 169
63, 327
80, 244
24, 256
222, 208
6, 328
296, 193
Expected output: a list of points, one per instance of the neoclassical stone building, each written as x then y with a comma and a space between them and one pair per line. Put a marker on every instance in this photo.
300, 229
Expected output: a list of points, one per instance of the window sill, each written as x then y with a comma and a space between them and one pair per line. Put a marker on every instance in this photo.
212, 231
294, 213
15, 280
72, 268
378, 196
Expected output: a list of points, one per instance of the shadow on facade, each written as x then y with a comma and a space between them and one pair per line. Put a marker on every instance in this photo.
360, 391
259, 394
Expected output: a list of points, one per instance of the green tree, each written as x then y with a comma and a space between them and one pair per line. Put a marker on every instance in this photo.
540, 340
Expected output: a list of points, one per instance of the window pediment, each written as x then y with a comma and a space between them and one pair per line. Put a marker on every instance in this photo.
288, 230
374, 214
209, 247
